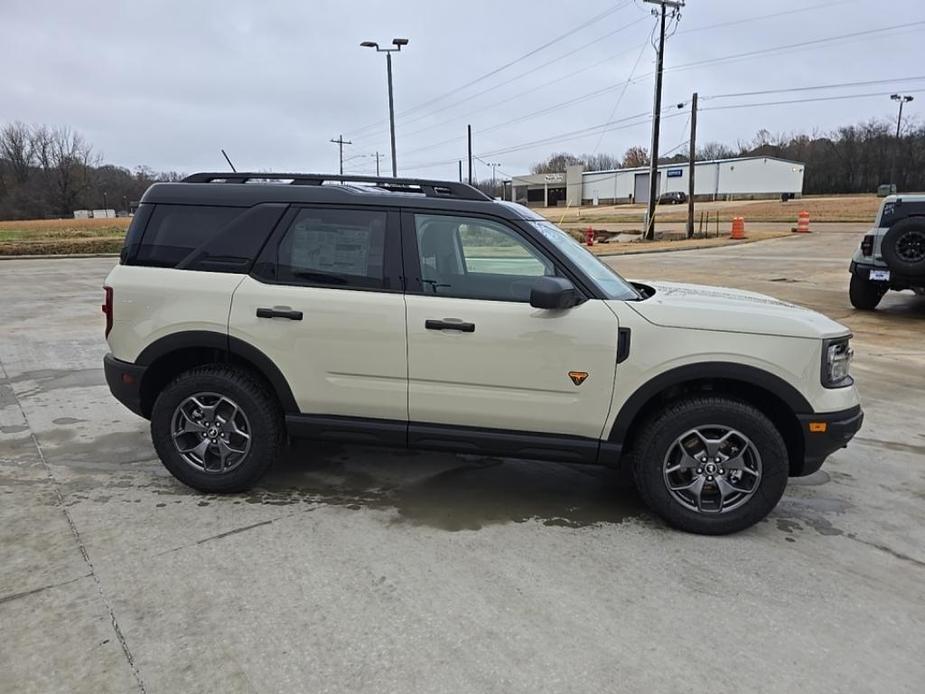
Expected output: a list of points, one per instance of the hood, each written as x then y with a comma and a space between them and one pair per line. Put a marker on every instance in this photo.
700, 307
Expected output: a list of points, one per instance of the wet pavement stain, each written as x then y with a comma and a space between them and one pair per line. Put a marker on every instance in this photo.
455, 493
46, 380
67, 420
13, 429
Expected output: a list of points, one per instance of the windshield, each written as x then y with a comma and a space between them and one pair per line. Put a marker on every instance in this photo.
605, 278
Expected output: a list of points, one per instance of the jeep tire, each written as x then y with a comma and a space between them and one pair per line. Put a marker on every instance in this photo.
711, 465
864, 294
217, 428
903, 247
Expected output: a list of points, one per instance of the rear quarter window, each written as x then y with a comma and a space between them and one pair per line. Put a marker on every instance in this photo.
174, 231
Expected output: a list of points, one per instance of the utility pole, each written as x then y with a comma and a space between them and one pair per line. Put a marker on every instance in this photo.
469, 131
460, 170
377, 163
340, 142
692, 169
903, 99
675, 6
493, 167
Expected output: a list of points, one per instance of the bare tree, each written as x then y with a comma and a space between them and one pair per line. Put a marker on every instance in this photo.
636, 157
66, 160
16, 149
714, 150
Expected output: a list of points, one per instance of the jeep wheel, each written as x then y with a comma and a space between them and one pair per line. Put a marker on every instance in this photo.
216, 429
710, 465
903, 247
864, 294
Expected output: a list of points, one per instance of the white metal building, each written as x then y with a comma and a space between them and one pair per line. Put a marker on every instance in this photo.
745, 177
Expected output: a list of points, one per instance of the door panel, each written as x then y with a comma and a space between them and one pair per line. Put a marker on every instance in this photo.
325, 305
512, 371
508, 365
346, 356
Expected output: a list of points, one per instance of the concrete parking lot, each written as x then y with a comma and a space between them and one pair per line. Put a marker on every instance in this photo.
361, 570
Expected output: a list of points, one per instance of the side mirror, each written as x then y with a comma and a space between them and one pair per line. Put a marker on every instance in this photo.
553, 293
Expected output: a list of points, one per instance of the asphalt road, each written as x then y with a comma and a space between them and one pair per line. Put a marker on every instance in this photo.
359, 570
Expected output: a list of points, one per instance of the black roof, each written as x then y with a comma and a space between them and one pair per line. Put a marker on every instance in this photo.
244, 189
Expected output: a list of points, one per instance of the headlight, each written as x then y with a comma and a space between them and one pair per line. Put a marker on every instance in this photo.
836, 358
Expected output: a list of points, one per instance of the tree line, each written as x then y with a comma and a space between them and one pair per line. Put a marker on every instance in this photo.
50, 172
849, 159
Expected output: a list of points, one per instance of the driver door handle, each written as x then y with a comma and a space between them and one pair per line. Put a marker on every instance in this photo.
281, 312
449, 324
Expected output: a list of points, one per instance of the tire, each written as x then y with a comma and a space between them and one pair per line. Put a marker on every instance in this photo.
658, 449
903, 247
235, 404
864, 294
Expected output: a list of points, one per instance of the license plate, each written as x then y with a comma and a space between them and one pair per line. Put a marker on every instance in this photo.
880, 275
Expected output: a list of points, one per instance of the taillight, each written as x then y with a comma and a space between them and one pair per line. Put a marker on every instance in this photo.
107, 309
867, 245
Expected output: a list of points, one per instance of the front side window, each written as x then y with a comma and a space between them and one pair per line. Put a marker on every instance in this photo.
338, 248
472, 258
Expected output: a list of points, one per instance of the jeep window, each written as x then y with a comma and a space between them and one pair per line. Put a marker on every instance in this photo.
472, 258
603, 276
337, 248
175, 230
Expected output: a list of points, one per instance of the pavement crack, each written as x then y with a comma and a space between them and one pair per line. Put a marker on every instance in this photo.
243, 528
888, 550
233, 531
40, 589
78, 539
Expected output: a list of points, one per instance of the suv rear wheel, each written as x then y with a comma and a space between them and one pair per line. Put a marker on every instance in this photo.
864, 294
710, 465
216, 429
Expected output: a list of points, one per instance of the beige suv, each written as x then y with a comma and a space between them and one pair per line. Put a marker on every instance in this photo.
422, 314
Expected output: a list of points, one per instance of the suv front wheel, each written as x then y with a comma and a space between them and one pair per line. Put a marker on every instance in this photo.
710, 465
216, 429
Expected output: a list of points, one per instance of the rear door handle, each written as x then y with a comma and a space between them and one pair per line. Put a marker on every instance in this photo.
279, 313
449, 324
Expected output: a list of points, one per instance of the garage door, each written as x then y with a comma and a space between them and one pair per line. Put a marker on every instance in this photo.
641, 188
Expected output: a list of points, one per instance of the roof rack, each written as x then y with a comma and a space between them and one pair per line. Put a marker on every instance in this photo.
430, 188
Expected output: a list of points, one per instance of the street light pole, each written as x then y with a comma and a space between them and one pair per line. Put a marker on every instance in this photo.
903, 99
398, 43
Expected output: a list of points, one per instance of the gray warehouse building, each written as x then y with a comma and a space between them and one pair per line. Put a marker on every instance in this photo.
721, 179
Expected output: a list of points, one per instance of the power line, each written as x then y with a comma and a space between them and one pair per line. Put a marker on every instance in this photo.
817, 87
599, 92
840, 97
748, 20
467, 99
491, 73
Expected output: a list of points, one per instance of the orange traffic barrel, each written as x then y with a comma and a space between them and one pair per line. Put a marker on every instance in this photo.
738, 228
803, 222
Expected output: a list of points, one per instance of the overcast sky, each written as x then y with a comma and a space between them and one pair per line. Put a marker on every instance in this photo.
167, 84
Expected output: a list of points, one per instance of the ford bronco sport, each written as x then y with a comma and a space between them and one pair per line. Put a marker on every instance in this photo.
422, 314
892, 254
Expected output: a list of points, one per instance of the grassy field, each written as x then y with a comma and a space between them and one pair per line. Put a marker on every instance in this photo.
860, 209
62, 236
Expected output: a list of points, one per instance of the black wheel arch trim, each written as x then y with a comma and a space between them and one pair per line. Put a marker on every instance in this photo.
689, 373
230, 345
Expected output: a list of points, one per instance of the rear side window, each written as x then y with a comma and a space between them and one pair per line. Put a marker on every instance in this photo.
174, 231
336, 247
